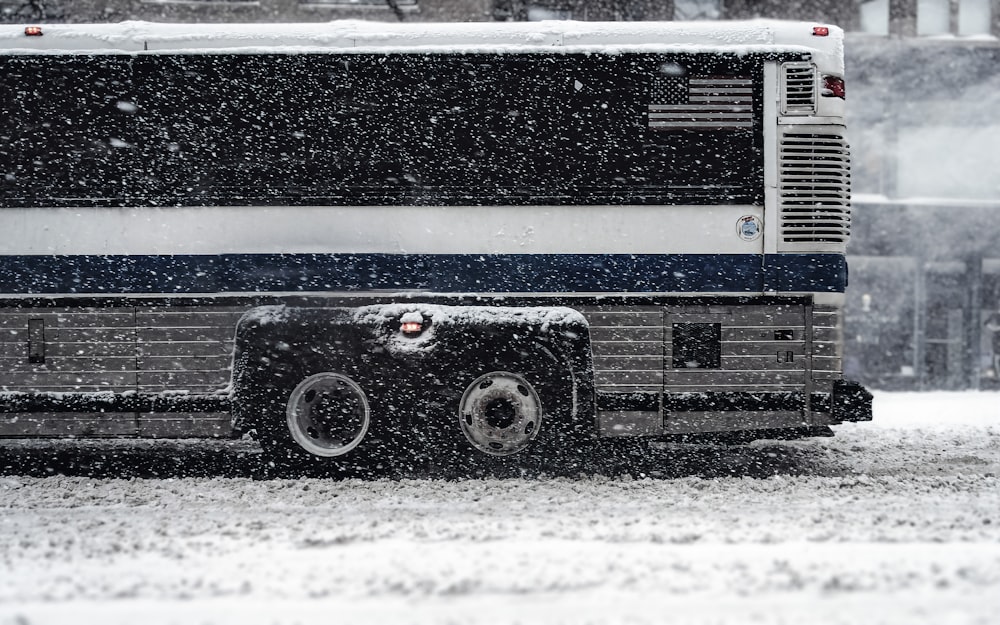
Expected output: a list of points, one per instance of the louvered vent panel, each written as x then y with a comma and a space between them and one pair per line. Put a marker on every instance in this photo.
815, 188
798, 89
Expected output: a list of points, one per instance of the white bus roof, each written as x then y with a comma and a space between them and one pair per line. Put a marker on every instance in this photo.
361, 36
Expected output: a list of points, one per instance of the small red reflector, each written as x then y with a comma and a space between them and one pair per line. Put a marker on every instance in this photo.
411, 327
33, 31
833, 87
821, 31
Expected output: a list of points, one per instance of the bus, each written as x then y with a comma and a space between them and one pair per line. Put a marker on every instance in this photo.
499, 241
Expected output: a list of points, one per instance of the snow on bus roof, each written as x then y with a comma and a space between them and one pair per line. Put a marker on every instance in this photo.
361, 36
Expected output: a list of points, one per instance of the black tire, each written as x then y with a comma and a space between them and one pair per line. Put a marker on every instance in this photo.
507, 414
320, 422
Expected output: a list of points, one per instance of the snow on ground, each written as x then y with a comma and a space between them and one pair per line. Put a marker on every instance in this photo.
894, 521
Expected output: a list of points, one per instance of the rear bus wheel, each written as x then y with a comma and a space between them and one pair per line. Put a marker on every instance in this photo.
323, 423
328, 415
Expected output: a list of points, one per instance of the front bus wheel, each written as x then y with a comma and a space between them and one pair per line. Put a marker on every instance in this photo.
515, 415
500, 413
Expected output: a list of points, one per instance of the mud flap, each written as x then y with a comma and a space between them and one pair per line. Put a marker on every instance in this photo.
850, 402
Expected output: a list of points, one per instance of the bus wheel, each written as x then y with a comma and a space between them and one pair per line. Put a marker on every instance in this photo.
323, 424
500, 413
328, 415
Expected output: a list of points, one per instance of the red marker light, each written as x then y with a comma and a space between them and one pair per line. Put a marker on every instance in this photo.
821, 31
411, 327
33, 31
833, 87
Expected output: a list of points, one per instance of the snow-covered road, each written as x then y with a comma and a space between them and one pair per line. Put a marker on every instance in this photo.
894, 521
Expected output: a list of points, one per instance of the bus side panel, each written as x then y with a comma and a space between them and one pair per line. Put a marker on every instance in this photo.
186, 349
720, 367
116, 350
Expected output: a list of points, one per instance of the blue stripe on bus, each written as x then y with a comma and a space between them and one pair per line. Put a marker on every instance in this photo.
442, 273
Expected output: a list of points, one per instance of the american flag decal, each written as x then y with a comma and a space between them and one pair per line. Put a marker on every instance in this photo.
701, 103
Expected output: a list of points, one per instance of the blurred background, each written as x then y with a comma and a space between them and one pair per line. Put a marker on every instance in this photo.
923, 84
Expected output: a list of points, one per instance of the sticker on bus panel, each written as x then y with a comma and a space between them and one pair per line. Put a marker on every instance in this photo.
749, 228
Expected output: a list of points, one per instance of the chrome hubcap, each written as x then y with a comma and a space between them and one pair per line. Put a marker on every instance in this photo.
328, 414
500, 413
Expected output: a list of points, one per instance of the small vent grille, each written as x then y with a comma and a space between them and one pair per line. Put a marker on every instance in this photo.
815, 188
798, 89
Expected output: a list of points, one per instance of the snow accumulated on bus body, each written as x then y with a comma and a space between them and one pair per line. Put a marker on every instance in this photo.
498, 239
